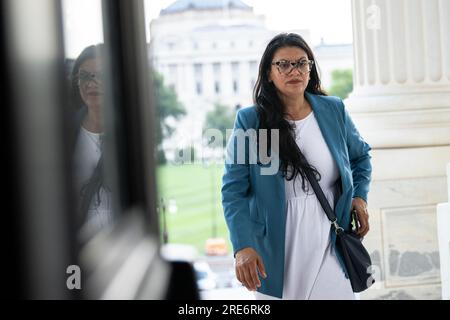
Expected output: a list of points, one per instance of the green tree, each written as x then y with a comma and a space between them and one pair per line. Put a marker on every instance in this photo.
167, 106
341, 83
220, 118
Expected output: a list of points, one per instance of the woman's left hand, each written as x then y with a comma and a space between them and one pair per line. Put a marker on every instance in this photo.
360, 206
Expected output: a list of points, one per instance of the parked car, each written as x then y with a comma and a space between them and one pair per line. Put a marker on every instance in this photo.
216, 247
206, 278
179, 252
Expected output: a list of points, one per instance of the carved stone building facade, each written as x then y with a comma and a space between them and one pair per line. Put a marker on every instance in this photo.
401, 105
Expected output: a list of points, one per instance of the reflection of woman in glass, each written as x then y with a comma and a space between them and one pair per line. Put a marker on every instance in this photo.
87, 89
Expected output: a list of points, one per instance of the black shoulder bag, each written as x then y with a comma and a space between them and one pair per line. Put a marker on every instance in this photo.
356, 258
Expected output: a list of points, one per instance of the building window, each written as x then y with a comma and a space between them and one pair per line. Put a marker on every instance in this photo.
253, 72
170, 46
214, 45
216, 68
173, 71
217, 76
253, 67
198, 75
173, 74
198, 70
235, 68
195, 45
217, 87
235, 75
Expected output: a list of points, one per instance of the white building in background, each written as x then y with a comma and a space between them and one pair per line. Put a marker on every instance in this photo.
209, 52
332, 57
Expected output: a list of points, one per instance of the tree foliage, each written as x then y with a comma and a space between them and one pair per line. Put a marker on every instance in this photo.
341, 83
220, 118
167, 107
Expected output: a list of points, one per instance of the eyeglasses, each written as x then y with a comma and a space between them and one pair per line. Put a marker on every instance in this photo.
84, 77
285, 66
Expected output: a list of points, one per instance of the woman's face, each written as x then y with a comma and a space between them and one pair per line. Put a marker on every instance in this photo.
91, 83
290, 81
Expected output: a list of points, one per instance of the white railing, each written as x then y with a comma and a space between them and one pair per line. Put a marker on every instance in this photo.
443, 224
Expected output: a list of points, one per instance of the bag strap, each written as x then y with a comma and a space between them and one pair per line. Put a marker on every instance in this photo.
322, 199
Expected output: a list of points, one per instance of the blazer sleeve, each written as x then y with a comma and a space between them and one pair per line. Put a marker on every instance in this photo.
236, 189
359, 157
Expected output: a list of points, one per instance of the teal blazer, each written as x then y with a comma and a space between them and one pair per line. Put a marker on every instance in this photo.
254, 204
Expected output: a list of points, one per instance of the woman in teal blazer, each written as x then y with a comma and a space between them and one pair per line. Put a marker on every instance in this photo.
288, 89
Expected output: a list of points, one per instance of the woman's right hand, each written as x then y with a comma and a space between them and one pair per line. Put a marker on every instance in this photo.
248, 264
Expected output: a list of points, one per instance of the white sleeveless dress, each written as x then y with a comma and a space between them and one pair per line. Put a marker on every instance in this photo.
311, 270
87, 155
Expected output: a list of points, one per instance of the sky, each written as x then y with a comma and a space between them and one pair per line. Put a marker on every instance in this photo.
83, 19
327, 19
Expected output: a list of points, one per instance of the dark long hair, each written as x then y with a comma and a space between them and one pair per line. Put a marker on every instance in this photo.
91, 52
91, 189
271, 110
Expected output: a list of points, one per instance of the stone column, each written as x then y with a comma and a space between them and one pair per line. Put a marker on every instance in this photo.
401, 106
402, 71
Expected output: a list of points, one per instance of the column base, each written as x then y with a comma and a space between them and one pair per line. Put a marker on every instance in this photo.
399, 121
